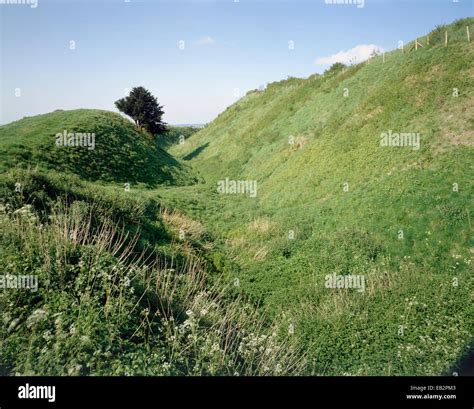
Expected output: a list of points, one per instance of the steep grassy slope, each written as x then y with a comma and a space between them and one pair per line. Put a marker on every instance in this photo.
335, 201
119, 152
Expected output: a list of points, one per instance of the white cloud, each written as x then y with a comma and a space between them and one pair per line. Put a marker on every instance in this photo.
206, 40
357, 54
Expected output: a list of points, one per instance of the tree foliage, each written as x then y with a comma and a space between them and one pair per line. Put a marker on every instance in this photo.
143, 108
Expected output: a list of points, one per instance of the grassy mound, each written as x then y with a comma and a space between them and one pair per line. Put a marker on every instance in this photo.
117, 153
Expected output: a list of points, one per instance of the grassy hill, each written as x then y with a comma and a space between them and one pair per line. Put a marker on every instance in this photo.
399, 216
119, 153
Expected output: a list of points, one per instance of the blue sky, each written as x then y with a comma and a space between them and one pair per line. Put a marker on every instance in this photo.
228, 46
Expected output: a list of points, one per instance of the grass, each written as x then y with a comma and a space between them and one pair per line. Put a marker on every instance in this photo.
228, 284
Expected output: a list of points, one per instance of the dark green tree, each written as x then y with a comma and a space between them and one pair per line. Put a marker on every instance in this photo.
143, 108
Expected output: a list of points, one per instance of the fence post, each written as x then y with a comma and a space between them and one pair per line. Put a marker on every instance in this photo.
446, 38
468, 34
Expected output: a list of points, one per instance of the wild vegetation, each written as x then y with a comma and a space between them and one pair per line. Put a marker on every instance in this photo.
119, 293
